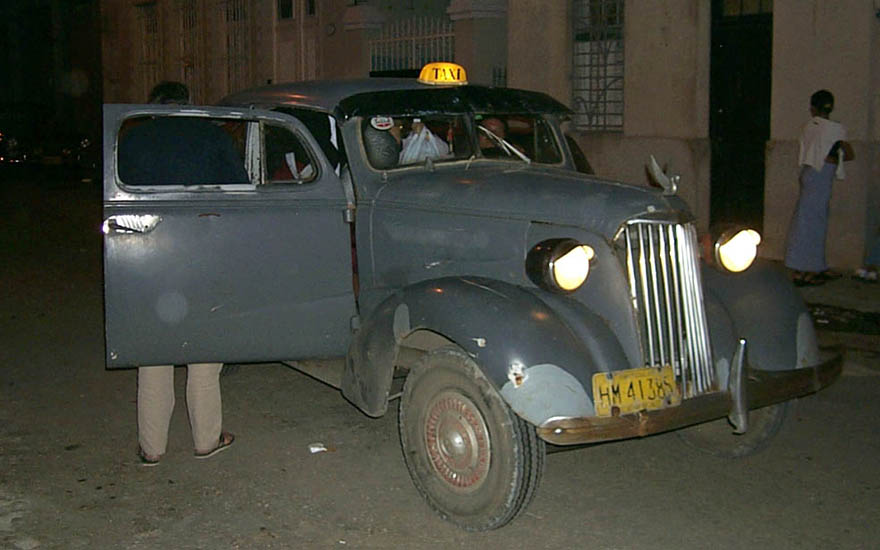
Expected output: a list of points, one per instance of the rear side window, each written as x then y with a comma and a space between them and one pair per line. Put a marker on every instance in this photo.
175, 151
323, 128
287, 157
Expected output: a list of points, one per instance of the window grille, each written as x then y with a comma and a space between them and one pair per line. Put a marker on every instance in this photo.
238, 46
597, 89
499, 76
148, 64
191, 49
284, 9
410, 43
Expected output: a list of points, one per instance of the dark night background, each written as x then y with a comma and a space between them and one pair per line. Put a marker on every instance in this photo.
50, 97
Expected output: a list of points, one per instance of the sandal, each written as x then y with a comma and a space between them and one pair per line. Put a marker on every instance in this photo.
226, 440
148, 460
809, 278
866, 275
829, 275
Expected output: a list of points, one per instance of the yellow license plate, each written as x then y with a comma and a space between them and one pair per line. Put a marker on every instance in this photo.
635, 390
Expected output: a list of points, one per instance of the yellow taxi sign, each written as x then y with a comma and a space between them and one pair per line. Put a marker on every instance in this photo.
443, 73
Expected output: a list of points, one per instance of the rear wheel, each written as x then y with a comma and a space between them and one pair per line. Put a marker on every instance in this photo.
474, 461
717, 437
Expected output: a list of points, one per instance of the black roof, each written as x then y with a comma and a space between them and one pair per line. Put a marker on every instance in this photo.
395, 96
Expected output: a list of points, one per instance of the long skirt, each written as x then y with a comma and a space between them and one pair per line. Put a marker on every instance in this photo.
805, 250
873, 258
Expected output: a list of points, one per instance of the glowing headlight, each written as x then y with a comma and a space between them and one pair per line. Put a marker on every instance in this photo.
561, 265
736, 251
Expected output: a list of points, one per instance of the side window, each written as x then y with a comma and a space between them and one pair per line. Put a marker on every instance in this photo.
323, 128
545, 148
181, 151
498, 135
287, 158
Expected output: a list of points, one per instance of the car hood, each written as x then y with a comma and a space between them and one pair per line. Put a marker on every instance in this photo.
532, 193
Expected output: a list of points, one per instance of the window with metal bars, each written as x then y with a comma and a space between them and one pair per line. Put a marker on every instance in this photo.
598, 63
238, 46
190, 49
284, 9
150, 50
407, 44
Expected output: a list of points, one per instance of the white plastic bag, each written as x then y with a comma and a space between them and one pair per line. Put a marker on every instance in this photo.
840, 172
419, 146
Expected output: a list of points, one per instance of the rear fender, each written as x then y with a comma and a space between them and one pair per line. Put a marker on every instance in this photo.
539, 351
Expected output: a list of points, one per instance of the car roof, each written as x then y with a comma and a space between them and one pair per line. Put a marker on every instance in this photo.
399, 96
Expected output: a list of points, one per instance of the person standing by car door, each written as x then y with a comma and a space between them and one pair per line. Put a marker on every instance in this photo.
823, 150
146, 155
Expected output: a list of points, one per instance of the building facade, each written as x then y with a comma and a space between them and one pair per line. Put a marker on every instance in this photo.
716, 90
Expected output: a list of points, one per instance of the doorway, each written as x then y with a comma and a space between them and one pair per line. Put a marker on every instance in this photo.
739, 99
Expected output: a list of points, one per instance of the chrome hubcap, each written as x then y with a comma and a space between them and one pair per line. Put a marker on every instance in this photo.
457, 441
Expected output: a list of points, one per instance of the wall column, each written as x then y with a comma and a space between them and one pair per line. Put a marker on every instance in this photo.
539, 47
360, 23
480, 37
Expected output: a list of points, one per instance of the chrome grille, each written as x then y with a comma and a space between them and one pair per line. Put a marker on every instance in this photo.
667, 294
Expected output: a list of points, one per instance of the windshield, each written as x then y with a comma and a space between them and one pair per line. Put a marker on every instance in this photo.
400, 141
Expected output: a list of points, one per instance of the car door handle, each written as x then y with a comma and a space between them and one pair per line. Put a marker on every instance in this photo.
130, 223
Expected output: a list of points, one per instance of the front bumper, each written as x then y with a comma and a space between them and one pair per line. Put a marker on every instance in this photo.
763, 388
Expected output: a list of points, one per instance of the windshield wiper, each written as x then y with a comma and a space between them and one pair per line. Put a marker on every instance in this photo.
506, 146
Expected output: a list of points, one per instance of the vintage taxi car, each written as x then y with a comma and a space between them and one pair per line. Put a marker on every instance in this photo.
440, 230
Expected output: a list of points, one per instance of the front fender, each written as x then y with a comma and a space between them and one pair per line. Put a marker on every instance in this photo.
762, 306
538, 350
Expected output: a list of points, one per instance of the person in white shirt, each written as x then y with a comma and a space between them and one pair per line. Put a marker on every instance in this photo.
823, 150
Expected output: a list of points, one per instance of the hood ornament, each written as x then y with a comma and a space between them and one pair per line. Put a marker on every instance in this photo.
659, 178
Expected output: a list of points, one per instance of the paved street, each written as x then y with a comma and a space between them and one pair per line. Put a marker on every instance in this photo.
69, 478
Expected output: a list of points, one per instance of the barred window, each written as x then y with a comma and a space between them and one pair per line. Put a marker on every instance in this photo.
150, 44
238, 45
407, 44
597, 88
284, 9
191, 49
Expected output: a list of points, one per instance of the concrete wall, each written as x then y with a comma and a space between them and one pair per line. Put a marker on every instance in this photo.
830, 44
539, 47
666, 90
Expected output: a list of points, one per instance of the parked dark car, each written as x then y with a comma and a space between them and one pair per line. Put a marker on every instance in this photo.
441, 231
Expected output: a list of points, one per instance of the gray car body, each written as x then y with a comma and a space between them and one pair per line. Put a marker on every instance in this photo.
440, 260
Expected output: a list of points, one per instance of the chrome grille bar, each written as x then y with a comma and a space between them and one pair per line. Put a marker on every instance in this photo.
666, 291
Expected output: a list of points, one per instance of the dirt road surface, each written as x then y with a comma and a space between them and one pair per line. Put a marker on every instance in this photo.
69, 478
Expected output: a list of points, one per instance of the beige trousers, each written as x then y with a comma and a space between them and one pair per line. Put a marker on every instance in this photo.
155, 404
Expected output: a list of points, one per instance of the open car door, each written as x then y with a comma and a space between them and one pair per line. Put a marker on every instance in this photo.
225, 238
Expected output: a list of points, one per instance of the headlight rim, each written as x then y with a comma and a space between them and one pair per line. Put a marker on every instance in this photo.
723, 236
541, 262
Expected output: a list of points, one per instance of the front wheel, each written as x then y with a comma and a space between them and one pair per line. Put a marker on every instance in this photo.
474, 461
717, 437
